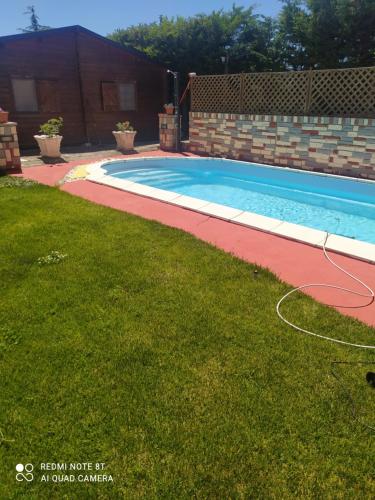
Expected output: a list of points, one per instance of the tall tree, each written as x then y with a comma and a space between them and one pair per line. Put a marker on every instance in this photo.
327, 33
34, 21
198, 43
306, 34
358, 21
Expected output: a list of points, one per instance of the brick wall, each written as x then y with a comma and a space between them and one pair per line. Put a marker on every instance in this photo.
324, 144
10, 161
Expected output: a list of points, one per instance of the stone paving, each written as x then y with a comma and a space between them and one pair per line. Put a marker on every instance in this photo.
80, 154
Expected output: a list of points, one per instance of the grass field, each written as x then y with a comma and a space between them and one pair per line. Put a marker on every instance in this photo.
150, 351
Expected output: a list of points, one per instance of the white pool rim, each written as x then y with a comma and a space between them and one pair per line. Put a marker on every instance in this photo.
340, 244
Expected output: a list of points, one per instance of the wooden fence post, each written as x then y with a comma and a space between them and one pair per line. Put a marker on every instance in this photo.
242, 81
308, 93
192, 95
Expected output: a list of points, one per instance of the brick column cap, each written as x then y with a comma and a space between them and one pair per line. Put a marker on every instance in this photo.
7, 124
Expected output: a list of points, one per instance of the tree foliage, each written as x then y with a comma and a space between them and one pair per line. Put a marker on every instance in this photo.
197, 43
306, 34
327, 33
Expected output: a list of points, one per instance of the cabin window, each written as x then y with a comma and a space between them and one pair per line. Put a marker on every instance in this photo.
127, 96
24, 93
48, 96
110, 96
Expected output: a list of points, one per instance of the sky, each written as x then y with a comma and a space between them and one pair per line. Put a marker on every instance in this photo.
104, 16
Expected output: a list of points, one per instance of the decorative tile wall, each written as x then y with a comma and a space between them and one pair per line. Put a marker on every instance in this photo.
324, 144
10, 161
167, 131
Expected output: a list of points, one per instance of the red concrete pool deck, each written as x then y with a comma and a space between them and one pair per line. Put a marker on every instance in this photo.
293, 262
52, 174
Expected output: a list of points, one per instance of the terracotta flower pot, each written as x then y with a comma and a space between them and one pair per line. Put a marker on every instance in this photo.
169, 110
125, 140
49, 146
4, 116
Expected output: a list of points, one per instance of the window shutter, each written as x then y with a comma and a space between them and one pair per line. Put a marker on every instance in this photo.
110, 96
48, 96
127, 96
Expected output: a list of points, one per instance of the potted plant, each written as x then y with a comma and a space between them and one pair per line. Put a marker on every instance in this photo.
50, 139
124, 136
169, 108
3, 116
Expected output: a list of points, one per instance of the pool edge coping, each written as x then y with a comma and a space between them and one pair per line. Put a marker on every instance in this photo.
358, 249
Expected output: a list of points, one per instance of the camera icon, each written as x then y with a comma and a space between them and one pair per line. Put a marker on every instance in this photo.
24, 472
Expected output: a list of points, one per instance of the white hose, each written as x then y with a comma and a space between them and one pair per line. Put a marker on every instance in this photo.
371, 296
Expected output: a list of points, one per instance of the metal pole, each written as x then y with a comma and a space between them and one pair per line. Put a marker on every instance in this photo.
227, 47
177, 108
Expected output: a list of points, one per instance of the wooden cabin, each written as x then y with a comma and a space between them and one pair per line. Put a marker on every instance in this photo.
90, 81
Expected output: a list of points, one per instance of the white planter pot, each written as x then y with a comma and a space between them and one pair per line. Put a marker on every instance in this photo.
124, 140
49, 146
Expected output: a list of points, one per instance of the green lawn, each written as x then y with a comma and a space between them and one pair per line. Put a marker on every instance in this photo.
163, 357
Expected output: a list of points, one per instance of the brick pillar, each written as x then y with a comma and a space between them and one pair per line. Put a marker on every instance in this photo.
10, 161
167, 132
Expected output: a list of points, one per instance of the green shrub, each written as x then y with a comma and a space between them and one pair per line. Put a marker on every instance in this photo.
52, 127
124, 127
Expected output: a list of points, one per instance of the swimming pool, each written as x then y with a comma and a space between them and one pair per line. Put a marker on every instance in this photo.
338, 205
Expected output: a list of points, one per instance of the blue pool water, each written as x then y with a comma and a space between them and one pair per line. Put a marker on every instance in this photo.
337, 205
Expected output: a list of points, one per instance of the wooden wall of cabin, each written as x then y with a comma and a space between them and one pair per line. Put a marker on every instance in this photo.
50, 59
103, 62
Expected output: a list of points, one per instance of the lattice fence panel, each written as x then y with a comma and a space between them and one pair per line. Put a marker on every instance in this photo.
275, 93
345, 92
216, 94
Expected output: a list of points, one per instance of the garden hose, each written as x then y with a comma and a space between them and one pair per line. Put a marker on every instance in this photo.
371, 296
